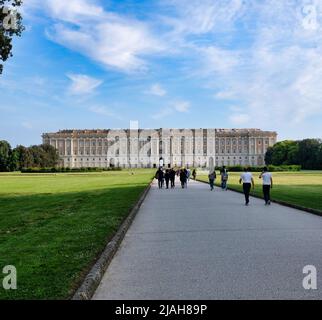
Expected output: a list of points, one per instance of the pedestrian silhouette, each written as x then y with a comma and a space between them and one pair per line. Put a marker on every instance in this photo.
247, 179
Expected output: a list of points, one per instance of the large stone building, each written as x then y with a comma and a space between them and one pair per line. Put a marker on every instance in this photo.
175, 147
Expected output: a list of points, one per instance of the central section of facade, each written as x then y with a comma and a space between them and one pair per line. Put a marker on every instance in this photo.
143, 148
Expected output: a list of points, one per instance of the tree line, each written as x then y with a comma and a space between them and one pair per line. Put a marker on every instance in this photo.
19, 158
307, 153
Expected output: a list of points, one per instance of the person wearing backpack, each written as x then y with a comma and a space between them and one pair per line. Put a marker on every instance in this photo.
224, 178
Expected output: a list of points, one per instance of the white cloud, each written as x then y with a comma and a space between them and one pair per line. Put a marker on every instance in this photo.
239, 119
110, 39
261, 54
219, 60
181, 106
200, 17
277, 79
103, 111
176, 106
225, 95
83, 84
157, 90
165, 112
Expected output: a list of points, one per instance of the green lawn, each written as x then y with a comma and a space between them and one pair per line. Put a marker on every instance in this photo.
53, 226
302, 188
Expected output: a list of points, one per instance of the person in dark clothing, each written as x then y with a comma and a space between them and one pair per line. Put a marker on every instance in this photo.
183, 178
160, 176
194, 174
172, 177
167, 178
212, 177
224, 178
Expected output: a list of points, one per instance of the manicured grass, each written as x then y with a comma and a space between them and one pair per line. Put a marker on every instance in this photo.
54, 226
301, 188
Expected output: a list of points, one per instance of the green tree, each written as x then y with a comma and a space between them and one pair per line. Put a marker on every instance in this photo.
13, 163
308, 153
24, 157
284, 152
269, 155
319, 157
50, 156
293, 153
10, 26
5, 151
38, 155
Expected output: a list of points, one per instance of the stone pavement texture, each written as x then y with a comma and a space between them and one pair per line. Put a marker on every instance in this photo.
199, 244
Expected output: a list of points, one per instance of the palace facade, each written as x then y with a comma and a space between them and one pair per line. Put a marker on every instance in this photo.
147, 148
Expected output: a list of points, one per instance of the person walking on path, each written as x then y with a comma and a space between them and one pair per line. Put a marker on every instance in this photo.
267, 185
167, 178
224, 178
212, 177
172, 177
247, 179
160, 176
194, 174
183, 178
188, 174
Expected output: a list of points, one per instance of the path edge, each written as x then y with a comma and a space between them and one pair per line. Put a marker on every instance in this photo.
95, 275
283, 203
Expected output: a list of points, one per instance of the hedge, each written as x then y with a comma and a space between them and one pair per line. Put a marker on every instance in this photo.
67, 170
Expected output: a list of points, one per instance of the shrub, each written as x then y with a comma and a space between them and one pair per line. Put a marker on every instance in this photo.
68, 170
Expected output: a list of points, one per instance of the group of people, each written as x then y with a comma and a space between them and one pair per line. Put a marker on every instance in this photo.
248, 181
168, 177
223, 177
246, 178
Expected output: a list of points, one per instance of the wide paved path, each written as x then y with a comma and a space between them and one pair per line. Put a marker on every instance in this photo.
198, 244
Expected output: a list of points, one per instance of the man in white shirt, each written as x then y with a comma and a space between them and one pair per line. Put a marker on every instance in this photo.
267, 185
248, 182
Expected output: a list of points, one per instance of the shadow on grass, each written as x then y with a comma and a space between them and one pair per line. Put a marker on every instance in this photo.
53, 239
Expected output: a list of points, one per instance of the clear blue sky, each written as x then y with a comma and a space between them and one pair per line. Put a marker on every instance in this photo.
168, 63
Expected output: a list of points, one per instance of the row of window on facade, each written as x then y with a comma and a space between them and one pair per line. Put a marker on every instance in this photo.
175, 159
110, 142
117, 152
